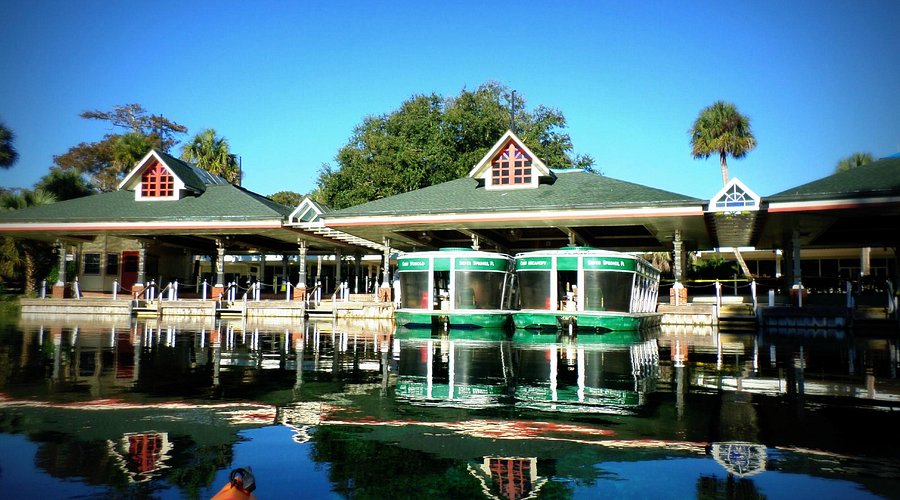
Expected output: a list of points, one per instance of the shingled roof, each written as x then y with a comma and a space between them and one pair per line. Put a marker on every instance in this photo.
879, 178
572, 189
218, 202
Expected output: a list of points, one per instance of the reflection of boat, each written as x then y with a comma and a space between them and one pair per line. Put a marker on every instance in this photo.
454, 287
607, 373
581, 287
454, 371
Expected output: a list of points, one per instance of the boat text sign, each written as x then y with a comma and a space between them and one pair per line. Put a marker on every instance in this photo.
608, 264
480, 264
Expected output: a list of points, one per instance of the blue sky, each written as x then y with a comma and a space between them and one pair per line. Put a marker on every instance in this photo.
286, 82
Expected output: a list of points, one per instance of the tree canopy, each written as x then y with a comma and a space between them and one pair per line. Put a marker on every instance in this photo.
64, 184
212, 153
721, 129
106, 161
431, 139
8, 153
289, 198
853, 161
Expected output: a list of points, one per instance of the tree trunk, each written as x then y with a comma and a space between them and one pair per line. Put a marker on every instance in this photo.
30, 285
724, 169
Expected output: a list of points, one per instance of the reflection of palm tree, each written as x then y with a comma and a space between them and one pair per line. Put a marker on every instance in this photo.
21, 256
721, 129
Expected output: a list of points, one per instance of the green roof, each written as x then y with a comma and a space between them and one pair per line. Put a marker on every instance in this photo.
217, 203
570, 190
879, 178
194, 177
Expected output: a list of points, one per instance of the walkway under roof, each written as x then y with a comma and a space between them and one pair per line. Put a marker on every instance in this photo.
856, 208
850, 209
193, 210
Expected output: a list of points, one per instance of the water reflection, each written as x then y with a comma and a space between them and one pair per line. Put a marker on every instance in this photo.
609, 373
158, 408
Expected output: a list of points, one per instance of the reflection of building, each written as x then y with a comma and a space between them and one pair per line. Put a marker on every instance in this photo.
509, 477
141, 455
740, 459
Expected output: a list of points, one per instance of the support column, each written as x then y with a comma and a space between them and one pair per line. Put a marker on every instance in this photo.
865, 261
337, 268
795, 278
678, 256
219, 287
300, 289
59, 288
285, 270
384, 292
678, 293
357, 271
795, 257
140, 282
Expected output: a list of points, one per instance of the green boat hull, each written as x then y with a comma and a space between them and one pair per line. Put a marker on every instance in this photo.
585, 320
465, 318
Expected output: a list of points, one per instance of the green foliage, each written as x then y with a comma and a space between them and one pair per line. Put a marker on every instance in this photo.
714, 267
853, 161
432, 139
20, 259
211, 153
721, 129
106, 161
8, 154
64, 184
289, 198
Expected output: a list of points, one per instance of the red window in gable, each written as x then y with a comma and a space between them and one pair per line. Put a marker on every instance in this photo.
511, 166
157, 182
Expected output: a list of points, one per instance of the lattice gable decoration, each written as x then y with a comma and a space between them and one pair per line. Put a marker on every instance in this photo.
306, 211
733, 198
509, 164
153, 179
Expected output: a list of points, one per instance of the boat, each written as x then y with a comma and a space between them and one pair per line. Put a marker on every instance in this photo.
585, 288
454, 287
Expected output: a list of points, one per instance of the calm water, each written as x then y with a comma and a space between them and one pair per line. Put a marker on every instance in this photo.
100, 408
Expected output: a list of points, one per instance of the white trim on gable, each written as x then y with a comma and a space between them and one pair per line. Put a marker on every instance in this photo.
482, 169
302, 209
134, 177
734, 197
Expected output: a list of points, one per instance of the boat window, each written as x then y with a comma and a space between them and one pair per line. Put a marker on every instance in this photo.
479, 290
415, 290
607, 291
534, 290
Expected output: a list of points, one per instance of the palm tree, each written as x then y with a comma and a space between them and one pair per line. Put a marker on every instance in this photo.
8, 154
853, 161
211, 153
721, 129
20, 257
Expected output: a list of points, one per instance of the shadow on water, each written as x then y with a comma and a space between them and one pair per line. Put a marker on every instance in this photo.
108, 406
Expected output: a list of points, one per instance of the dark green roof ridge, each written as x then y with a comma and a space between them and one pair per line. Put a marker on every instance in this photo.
216, 203
569, 190
878, 178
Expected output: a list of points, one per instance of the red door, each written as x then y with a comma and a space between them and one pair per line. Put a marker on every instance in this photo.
129, 270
